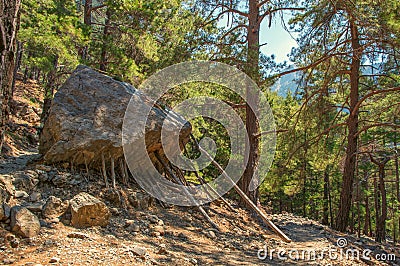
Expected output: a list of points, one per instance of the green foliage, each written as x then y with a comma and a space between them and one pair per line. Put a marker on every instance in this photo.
50, 28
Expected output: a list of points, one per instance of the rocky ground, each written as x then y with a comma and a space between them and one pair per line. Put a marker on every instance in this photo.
66, 216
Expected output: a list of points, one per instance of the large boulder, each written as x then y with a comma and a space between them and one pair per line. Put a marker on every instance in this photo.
87, 211
24, 223
86, 116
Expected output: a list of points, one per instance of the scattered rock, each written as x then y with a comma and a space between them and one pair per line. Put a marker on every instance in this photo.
34, 207
42, 167
35, 196
140, 251
24, 222
133, 228
43, 176
7, 190
159, 229
115, 211
14, 243
21, 194
162, 249
140, 201
77, 235
87, 211
5, 210
153, 219
61, 179
155, 234
54, 260
211, 234
54, 207
25, 180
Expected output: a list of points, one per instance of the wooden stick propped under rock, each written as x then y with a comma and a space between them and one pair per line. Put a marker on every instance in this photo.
244, 196
177, 180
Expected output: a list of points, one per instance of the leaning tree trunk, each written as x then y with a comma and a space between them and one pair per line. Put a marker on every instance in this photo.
253, 50
342, 218
9, 24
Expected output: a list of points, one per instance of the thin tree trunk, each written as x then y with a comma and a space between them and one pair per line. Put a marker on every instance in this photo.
87, 16
104, 49
367, 222
325, 218
253, 51
377, 204
20, 46
9, 25
352, 127
381, 210
49, 91
396, 163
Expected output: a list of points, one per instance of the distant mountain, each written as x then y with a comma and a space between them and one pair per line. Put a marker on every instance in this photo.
285, 84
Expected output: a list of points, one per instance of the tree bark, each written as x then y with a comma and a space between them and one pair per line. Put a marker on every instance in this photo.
325, 218
367, 222
106, 32
18, 60
49, 91
381, 211
342, 217
252, 69
87, 12
9, 25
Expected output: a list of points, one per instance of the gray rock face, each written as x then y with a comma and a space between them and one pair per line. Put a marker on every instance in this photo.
86, 116
24, 223
54, 207
87, 211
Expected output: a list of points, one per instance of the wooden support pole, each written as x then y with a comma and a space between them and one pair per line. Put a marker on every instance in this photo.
203, 182
245, 197
103, 168
177, 180
113, 172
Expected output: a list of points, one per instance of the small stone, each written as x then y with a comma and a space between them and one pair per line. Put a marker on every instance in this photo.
54, 260
115, 211
134, 228
153, 219
159, 229
211, 234
155, 234
35, 196
43, 176
21, 194
162, 249
139, 251
129, 222
5, 210
34, 207
14, 243
160, 222
42, 167
77, 235
193, 261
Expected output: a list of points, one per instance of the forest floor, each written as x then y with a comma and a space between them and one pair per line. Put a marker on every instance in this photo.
164, 236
